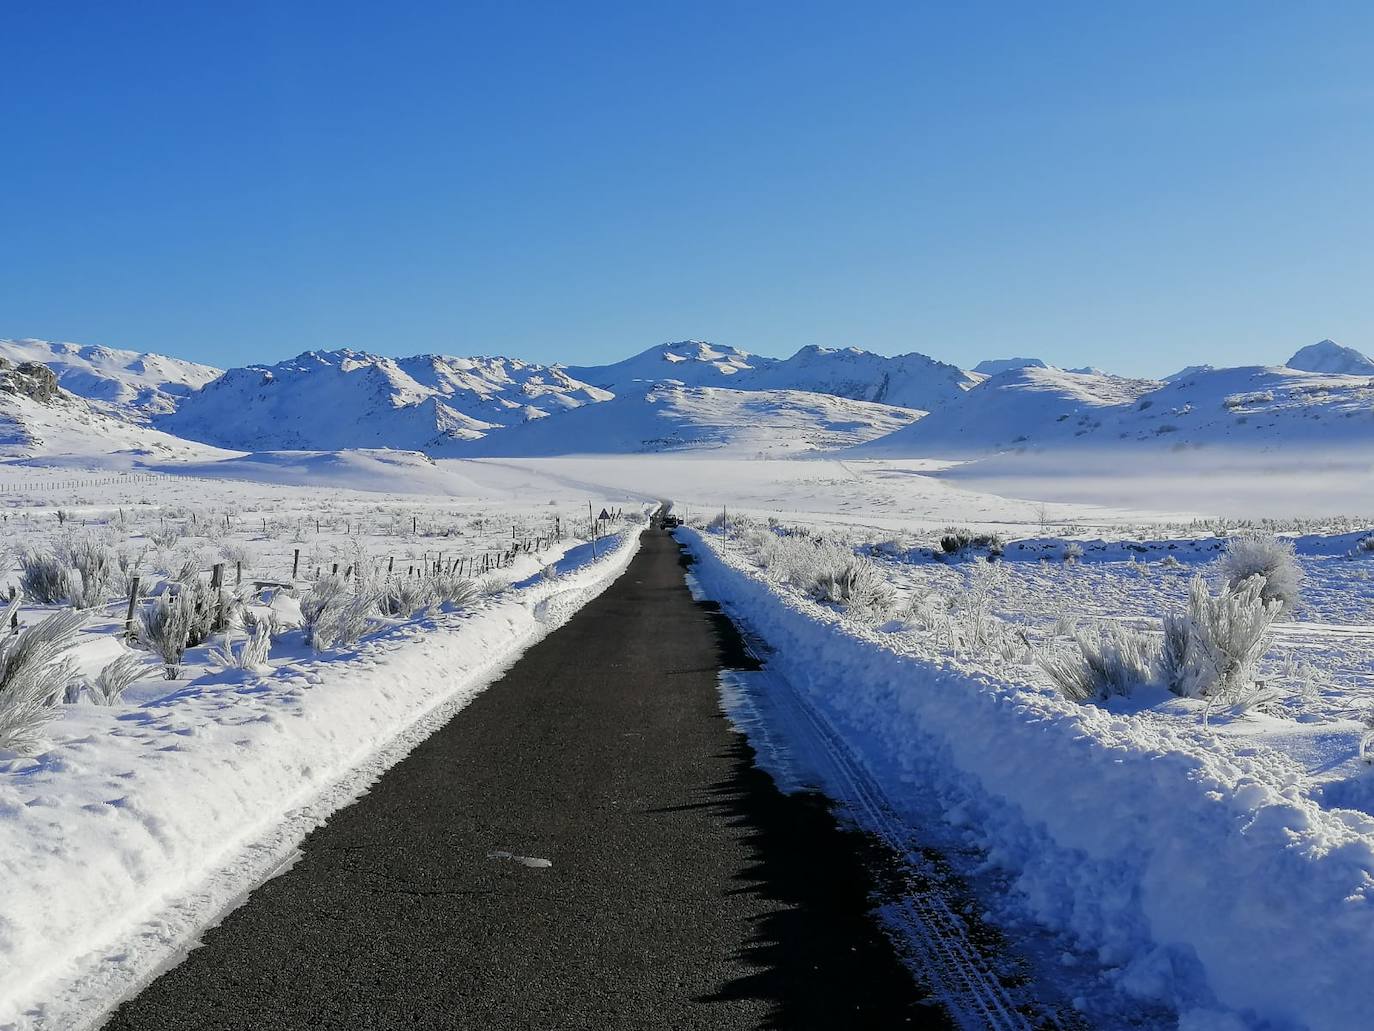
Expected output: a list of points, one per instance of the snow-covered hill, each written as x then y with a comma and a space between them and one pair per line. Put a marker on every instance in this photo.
907, 380
40, 422
1013, 409
673, 417
1329, 356
694, 363
1255, 408
328, 400
141, 384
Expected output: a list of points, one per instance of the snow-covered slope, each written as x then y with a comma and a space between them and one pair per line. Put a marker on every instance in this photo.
328, 400
1254, 408
1329, 356
1013, 409
691, 362
906, 380
673, 417
141, 384
69, 430
996, 366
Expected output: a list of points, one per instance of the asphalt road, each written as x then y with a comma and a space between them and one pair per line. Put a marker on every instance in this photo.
684, 891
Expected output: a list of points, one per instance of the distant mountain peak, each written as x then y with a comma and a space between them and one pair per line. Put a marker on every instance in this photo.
994, 366
1330, 357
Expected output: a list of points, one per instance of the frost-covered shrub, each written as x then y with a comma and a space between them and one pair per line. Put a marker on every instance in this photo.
234, 552
1073, 551
454, 590
116, 677
858, 586
1212, 650
252, 653
32, 679
407, 596
955, 540
164, 628
1112, 662
975, 624
332, 616
94, 566
44, 578
164, 538
342, 621
549, 572
1263, 555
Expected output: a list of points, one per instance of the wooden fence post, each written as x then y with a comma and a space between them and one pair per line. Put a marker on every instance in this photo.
295, 563
129, 615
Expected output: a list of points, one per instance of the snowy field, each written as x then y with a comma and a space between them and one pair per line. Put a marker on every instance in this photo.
144, 798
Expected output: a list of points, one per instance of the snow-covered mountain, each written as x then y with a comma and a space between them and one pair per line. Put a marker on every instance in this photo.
674, 417
996, 366
142, 384
1329, 356
327, 400
1247, 408
694, 363
906, 380
1012, 409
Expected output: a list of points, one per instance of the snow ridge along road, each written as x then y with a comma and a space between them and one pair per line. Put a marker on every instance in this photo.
587, 844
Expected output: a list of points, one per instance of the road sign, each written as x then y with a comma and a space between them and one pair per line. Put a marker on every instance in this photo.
604, 514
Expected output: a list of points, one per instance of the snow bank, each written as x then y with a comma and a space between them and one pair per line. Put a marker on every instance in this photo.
122, 842
1205, 880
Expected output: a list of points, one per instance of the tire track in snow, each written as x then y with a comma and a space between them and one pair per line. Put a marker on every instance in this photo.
957, 972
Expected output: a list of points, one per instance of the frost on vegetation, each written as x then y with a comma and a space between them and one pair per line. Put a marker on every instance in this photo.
824, 570
33, 676
1271, 559
252, 653
1210, 651
1114, 661
1213, 649
1073, 551
164, 628
93, 568
334, 617
43, 577
116, 677
407, 596
956, 540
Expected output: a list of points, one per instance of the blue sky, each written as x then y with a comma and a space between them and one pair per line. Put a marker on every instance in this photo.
1138, 186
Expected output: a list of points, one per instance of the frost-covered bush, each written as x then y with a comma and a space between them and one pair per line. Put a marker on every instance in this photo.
453, 590
332, 616
252, 653
975, 624
407, 596
1114, 661
116, 677
94, 566
342, 621
859, 586
1213, 649
44, 578
164, 628
1262, 554
33, 676
955, 540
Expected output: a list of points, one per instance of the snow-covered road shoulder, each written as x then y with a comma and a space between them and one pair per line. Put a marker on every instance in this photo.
1203, 879
141, 825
